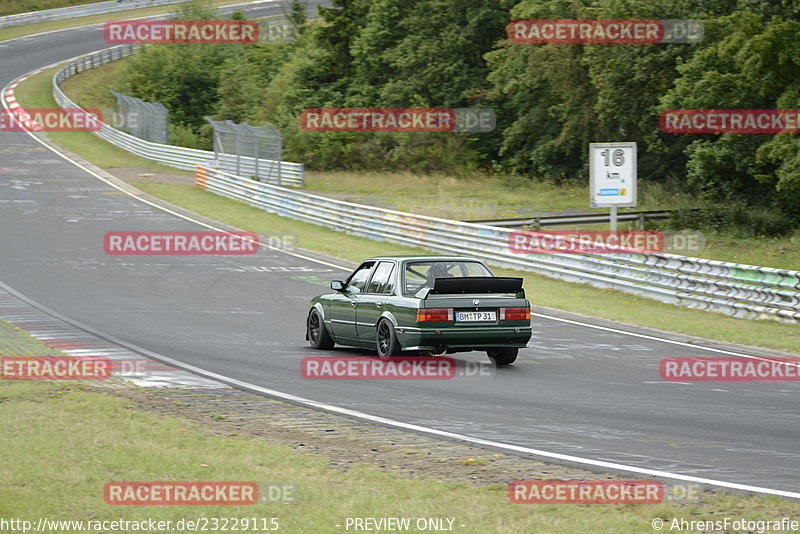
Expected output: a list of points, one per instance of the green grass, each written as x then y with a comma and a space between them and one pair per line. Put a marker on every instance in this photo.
541, 290
61, 444
776, 252
17, 342
501, 197
117, 443
90, 88
41, 27
12, 7
36, 92
476, 197
479, 197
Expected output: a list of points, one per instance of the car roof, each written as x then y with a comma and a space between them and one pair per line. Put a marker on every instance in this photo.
423, 258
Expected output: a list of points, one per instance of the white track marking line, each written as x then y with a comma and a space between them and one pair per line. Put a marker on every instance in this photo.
664, 340
399, 424
373, 418
244, 4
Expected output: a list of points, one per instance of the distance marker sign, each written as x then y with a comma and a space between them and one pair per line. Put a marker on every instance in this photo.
612, 174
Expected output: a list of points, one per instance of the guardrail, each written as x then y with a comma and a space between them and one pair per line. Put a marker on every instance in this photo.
581, 218
84, 10
734, 289
174, 156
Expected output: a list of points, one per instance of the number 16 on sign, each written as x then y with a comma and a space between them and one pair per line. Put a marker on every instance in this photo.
612, 176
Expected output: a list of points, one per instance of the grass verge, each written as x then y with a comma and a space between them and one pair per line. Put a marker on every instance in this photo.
37, 92
100, 439
495, 197
130, 445
487, 197
15, 7
53, 25
475, 197
541, 290
607, 304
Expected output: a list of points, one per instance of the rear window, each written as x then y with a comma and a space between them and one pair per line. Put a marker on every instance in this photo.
421, 274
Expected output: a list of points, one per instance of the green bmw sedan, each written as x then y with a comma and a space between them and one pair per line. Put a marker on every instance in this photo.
432, 304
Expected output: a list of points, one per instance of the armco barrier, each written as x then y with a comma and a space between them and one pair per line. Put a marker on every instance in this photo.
174, 156
736, 290
80, 11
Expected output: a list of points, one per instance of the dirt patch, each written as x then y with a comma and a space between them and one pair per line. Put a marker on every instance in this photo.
345, 442
327, 435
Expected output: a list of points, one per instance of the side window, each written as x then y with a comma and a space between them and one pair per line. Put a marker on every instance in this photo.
359, 278
390, 283
381, 278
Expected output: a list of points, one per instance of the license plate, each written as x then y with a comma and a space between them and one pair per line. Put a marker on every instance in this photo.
475, 316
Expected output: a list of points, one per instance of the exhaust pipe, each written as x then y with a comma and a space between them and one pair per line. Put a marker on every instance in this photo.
441, 350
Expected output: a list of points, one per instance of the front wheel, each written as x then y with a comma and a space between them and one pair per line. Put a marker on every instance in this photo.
386, 340
317, 333
504, 356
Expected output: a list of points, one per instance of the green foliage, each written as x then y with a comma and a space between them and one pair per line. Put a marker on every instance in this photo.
188, 79
753, 63
551, 100
182, 135
297, 14
736, 219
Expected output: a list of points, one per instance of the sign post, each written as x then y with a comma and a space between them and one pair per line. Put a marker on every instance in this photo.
612, 177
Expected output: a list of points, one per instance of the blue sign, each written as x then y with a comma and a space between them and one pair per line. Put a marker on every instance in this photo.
609, 192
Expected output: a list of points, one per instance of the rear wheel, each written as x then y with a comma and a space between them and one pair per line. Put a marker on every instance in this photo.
386, 340
503, 356
317, 333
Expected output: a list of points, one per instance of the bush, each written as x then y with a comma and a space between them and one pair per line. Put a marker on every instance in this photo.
739, 220
183, 135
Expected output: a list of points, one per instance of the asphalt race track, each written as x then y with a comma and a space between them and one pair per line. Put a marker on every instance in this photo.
578, 390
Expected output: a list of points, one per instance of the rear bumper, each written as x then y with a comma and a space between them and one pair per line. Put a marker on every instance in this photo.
473, 337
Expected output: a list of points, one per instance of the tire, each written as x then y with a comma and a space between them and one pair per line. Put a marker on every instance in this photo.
317, 333
503, 356
386, 340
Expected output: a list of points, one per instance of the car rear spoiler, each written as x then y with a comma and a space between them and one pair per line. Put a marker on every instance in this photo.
477, 284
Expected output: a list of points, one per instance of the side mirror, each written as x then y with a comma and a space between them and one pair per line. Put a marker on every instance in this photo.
337, 285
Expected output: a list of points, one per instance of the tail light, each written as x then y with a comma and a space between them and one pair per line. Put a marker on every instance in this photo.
435, 314
515, 314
